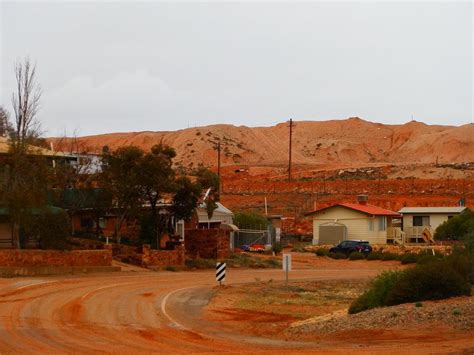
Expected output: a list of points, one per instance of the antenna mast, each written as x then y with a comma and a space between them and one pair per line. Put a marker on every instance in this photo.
289, 150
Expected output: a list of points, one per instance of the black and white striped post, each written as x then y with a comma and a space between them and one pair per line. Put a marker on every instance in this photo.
220, 272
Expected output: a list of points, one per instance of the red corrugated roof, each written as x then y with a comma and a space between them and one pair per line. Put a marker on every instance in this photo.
369, 209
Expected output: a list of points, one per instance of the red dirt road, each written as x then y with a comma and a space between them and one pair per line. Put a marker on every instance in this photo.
132, 312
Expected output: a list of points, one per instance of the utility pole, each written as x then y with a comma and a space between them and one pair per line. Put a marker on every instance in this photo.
219, 166
289, 151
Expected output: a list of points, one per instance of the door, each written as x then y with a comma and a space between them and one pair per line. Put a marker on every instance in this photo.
332, 233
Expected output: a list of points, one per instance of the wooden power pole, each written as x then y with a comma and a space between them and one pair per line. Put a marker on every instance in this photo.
219, 166
289, 150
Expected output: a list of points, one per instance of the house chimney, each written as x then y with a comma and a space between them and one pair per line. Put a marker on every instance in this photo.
362, 199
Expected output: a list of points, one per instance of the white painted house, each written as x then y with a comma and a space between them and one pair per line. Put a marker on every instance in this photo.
417, 219
345, 221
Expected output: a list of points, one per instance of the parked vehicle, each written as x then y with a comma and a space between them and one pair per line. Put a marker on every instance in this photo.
349, 246
256, 248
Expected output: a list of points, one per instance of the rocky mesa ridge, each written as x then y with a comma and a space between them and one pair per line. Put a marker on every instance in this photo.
349, 141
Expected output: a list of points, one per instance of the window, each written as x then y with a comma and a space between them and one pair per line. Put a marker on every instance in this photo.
371, 224
382, 223
421, 221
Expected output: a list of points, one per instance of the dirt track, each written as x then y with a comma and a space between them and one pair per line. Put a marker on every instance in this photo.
134, 311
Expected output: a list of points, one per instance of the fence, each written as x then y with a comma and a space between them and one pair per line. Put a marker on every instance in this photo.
253, 236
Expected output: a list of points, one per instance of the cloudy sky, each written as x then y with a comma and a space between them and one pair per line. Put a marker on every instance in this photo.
108, 67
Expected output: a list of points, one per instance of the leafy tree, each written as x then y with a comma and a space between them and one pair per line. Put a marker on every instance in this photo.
121, 176
456, 227
250, 220
51, 226
186, 198
156, 180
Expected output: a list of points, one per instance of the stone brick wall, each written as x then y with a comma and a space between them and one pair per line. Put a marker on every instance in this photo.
207, 243
37, 258
153, 257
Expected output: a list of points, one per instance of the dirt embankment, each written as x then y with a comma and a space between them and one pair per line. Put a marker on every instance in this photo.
314, 142
397, 165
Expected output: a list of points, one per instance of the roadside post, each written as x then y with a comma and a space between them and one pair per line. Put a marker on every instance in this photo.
220, 272
286, 265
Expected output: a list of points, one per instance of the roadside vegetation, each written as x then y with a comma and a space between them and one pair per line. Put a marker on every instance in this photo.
457, 227
434, 277
237, 260
298, 300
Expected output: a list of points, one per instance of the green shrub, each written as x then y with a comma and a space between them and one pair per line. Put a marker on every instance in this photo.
456, 227
408, 258
337, 255
277, 248
427, 256
438, 279
250, 220
52, 227
462, 261
376, 255
356, 256
468, 240
273, 263
322, 252
170, 268
432, 281
377, 293
418, 304
200, 263
389, 256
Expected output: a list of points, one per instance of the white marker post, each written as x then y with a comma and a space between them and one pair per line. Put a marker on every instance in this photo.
286, 265
220, 272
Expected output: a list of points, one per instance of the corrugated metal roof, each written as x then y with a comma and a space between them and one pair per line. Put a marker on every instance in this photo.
407, 210
220, 208
220, 214
368, 209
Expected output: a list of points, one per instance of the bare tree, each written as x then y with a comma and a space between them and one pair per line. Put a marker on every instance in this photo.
27, 177
26, 103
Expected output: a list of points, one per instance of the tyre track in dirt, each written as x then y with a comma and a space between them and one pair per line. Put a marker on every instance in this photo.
119, 312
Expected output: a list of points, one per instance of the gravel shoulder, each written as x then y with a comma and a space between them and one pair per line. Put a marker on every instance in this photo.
456, 313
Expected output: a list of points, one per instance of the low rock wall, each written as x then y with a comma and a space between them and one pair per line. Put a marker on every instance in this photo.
207, 243
157, 258
51, 258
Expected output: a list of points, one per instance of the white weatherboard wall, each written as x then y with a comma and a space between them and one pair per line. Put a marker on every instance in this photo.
435, 219
357, 224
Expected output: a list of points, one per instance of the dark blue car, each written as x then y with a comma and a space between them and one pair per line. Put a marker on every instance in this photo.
349, 246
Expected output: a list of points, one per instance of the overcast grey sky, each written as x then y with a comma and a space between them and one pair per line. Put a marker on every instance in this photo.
108, 67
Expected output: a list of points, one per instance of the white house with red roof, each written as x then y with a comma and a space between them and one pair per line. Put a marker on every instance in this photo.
349, 221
